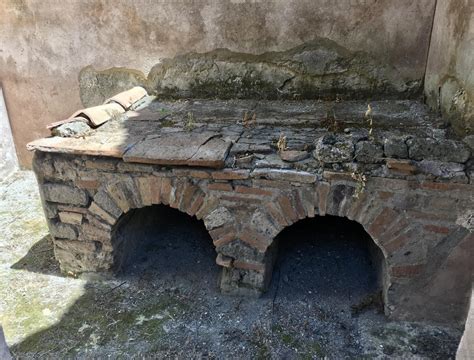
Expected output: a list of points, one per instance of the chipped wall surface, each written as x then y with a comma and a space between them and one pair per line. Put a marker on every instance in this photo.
8, 159
450, 70
45, 44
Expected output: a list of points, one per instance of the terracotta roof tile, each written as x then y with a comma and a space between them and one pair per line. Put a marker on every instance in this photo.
97, 115
127, 98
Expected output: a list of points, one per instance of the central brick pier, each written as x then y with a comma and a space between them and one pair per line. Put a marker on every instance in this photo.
251, 169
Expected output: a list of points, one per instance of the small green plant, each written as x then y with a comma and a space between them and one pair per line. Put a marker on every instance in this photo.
281, 144
370, 120
330, 121
361, 180
190, 124
248, 120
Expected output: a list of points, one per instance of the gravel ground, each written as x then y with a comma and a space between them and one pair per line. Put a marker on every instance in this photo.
323, 301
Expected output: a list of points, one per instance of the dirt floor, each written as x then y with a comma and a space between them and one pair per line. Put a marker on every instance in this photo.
323, 301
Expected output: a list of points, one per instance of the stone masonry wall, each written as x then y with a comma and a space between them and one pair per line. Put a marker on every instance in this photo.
422, 227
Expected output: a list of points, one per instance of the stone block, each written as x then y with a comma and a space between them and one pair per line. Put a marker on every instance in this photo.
224, 261
368, 152
70, 217
284, 175
262, 224
333, 148
217, 218
62, 231
395, 147
65, 194
252, 191
231, 175
105, 202
102, 214
441, 150
220, 187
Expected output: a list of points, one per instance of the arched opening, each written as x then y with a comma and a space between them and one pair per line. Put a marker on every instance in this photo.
330, 261
165, 245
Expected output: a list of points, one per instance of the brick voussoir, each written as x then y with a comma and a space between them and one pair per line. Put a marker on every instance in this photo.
245, 265
254, 239
406, 271
96, 210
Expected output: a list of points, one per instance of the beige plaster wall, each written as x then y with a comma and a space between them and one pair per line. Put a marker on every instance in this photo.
449, 83
45, 43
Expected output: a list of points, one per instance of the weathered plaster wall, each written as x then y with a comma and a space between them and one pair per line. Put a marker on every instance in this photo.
449, 82
8, 159
44, 44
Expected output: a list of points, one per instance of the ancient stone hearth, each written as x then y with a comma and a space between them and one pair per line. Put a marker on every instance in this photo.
250, 169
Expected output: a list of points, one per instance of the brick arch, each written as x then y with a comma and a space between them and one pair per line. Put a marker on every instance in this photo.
114, 200
382, 223
386, 226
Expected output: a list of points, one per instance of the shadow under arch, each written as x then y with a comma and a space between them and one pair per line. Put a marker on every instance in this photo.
330, 259
158, 240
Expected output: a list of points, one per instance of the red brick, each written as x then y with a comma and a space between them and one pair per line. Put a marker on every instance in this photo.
298, 205
187, 198
248, 266
272, 184
100, 165
401, 166
179, 187
97, 223
196, 203
444, 186
155, 189
406, 271
307, 198
252, 191
220, 187
254, 239
240, 199
398, 226
221, 231
166, 189
287, 208
335, 176
88, 183
231, 175
382, 222
396, 244
224, 239
209, 204
144, 188
119, 197
357, 206
437, 229
275, 212
101, 213
323, 191
199, 174
385, 195
90, 232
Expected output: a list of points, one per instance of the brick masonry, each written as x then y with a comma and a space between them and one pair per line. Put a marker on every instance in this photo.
411, 191
425, 269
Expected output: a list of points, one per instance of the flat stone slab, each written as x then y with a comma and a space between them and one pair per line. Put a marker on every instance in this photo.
245, 134
181, 148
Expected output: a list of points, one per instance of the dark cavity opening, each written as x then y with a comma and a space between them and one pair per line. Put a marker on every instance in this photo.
331, 261
164, 245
